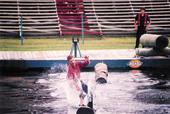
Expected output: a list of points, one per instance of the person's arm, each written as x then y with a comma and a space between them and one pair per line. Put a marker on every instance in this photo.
74, 83
135, 23
84, 62
76, 86
149, 23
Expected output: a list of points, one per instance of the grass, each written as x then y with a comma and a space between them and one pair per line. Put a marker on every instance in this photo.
31, 44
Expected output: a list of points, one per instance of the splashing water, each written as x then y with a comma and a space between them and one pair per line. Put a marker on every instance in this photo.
132, 92
58, 68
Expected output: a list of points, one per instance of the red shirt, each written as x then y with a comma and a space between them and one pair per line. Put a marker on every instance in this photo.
74, 70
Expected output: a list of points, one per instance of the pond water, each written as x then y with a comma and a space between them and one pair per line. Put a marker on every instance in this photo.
127, 92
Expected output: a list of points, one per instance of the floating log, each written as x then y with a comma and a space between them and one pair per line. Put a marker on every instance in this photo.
85, 110
152, 52
101, 73
154, 41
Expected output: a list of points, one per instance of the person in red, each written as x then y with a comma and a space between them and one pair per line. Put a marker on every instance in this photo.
142, 24
73, 74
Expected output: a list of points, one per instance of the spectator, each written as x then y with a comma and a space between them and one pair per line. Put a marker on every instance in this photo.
142, 24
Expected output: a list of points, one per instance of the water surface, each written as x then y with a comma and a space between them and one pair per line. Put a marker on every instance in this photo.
127, 92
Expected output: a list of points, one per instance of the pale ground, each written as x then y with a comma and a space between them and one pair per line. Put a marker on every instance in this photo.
61, 55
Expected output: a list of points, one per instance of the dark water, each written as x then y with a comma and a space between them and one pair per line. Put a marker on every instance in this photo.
127, 92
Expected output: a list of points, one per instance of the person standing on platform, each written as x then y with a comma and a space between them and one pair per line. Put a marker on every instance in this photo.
142, 24
73, 76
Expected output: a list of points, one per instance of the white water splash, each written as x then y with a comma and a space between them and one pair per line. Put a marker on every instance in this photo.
115, 97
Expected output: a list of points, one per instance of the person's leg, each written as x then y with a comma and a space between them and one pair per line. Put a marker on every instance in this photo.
143, 31
84, 87
81, 96
137, 38
81, 101
84, 91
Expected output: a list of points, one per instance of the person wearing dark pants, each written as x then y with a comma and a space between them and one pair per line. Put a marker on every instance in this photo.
142, 24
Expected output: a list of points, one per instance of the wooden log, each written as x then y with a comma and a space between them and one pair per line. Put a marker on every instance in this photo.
101, 73
85, 110
152, 52
154, 41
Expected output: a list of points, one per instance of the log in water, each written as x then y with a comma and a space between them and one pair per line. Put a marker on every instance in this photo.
85, 110
155, 41
152, 52
101, 73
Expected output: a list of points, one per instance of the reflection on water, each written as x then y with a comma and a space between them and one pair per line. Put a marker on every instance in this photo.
127, 92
